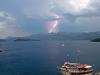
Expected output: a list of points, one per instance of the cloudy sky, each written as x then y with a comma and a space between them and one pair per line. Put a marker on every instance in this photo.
25, 17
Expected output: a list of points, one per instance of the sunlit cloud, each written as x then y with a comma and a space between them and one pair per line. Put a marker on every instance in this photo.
79, 5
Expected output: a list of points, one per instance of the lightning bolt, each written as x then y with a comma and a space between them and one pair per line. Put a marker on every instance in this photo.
55, 23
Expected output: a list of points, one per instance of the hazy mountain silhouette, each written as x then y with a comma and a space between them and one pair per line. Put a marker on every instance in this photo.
60, 36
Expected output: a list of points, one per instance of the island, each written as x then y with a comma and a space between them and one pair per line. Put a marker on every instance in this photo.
96, 40
25, 39
2, 40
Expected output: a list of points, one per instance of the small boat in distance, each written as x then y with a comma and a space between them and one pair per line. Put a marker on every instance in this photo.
76, 68
62, 45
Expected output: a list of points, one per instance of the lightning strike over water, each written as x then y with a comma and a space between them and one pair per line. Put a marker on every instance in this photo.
54, 24
54, 27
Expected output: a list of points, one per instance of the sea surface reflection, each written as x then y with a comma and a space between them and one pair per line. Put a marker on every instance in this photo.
43, 57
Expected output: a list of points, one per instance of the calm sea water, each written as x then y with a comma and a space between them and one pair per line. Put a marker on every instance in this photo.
43, 57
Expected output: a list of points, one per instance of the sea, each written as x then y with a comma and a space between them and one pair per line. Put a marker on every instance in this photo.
43, 57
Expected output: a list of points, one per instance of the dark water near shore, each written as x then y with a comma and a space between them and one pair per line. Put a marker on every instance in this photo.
42, 57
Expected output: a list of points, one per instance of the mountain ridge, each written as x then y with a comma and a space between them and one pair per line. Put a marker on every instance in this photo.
60, 36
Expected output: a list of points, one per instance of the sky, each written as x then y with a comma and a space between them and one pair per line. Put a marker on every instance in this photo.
26, 17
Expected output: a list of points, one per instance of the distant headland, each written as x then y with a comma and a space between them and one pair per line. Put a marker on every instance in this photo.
96, 40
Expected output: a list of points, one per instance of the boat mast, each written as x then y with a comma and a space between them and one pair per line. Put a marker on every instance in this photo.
67, 58
78, 56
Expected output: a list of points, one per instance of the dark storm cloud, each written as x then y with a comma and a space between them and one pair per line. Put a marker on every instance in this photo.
31, 15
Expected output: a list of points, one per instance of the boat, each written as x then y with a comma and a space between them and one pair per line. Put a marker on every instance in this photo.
76, 69
69, 68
